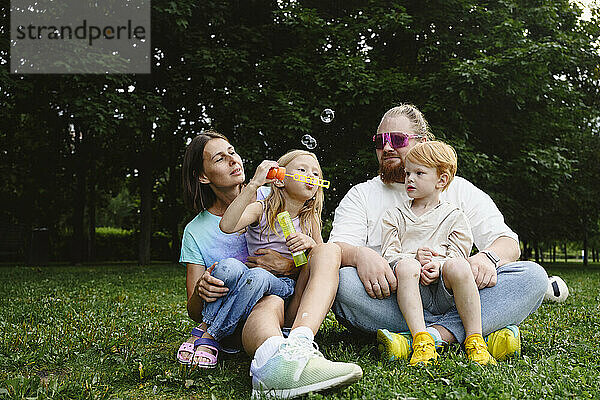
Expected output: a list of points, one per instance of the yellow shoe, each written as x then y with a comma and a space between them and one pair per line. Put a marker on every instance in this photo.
423, 349
394, 346
504, 343
477, 350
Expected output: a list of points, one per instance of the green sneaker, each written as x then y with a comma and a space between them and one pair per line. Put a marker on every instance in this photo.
398, 346
298, 368
504, 343
394, 346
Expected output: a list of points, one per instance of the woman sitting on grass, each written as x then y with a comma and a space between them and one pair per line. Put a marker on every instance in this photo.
246, 285
213, 177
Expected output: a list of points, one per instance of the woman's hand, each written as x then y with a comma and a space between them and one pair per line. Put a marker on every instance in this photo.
272, 261
430, 272
298, 241
260, 176
210, 288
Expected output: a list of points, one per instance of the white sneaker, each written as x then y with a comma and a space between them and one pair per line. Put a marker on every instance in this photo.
298, 367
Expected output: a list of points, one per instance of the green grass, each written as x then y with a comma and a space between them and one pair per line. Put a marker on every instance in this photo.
112, 332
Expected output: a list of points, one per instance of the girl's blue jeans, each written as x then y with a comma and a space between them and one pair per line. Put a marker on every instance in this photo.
246, 287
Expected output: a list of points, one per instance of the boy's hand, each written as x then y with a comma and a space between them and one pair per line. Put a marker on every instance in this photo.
260, 176
425, 255
298, 241
430, 272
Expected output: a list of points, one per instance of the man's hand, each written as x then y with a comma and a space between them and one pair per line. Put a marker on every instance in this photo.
430, 272
483, 270
375, 273
425, 255
210, 288
272, 261
298, 241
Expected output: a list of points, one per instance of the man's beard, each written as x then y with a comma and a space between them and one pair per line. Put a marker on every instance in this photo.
391, 172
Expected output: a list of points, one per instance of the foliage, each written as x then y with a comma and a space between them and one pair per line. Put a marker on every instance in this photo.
119, 211
114, 244
112, 332
513, 85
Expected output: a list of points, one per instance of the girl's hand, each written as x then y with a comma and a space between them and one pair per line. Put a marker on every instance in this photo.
210, 288
425, 255
298, 241
430, 272
260, 176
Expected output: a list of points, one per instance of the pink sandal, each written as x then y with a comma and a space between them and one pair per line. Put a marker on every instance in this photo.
212, 358
187, 347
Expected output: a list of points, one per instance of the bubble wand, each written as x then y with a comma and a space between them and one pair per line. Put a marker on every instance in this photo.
280, 173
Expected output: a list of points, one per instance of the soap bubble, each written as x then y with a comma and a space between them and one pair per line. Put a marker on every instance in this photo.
309, 141
327, 115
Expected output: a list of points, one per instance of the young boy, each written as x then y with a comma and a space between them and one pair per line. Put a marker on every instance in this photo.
413, 234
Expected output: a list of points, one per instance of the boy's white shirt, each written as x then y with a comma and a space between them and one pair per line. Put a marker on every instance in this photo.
444, 228
358, 217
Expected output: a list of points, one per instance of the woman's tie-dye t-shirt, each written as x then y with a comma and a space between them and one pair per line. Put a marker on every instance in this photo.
204, 243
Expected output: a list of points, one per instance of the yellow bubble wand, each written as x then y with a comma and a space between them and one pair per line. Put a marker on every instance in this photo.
280, 173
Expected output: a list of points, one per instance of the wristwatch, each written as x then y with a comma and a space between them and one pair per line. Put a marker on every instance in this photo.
492, 256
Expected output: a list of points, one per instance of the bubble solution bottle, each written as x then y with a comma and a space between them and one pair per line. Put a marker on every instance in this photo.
287, 226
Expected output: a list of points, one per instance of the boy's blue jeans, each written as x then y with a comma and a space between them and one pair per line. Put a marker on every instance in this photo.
246, 287
519, 292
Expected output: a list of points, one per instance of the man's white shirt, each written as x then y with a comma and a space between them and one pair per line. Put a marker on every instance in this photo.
357, 219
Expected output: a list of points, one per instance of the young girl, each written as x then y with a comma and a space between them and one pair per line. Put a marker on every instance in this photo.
446, 280
304, 202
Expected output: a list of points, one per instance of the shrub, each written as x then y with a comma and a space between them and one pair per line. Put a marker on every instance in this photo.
113, 244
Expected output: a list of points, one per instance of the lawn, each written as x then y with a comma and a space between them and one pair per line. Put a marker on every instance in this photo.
95, 332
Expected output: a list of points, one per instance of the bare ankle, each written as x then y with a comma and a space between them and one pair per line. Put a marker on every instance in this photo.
446, 335
207, 335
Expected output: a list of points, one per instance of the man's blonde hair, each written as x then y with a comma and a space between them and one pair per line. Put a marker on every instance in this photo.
417, 120
435, 154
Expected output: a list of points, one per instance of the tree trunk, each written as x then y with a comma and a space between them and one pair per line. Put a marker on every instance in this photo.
145, 178
554, 252
77, 241
78, 238
565, 250
145, 164
91, 244
541, 252
174, 213
585, 247
536, 249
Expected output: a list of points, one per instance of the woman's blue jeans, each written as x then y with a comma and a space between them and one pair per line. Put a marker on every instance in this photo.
518, 293
246, 287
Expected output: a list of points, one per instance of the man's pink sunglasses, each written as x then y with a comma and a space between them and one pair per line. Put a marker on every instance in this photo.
395, 139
